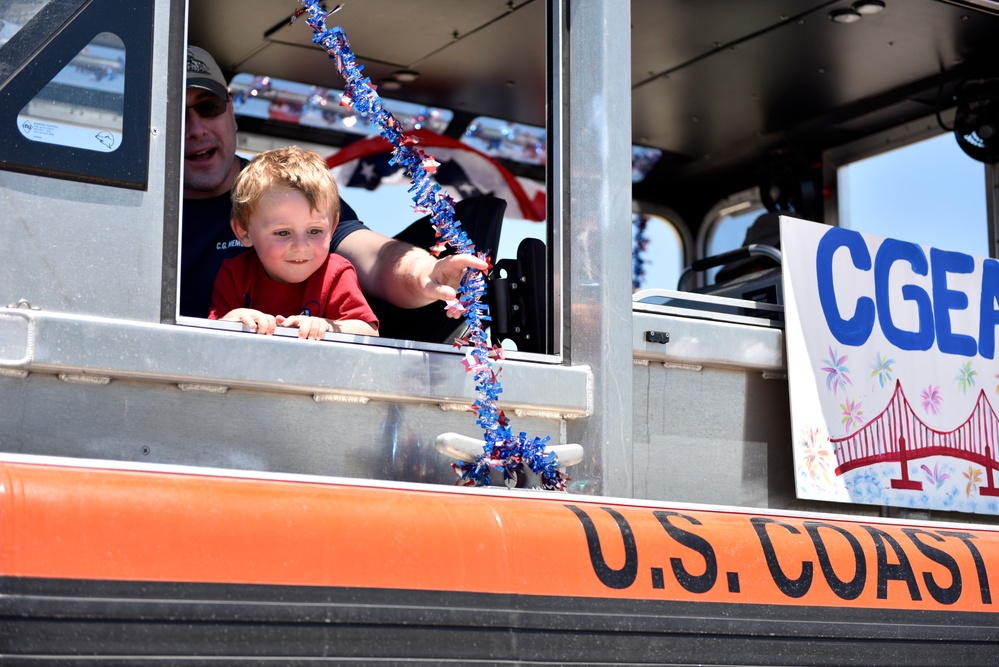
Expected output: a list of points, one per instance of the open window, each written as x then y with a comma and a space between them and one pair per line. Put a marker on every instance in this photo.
286, 92
477, 171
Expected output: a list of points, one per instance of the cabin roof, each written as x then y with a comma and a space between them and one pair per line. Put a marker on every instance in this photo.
717, 85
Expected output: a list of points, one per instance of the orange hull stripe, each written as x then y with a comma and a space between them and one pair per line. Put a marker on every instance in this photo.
85, 523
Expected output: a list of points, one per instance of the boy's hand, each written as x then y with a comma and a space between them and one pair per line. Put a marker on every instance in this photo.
262, 323
312, 328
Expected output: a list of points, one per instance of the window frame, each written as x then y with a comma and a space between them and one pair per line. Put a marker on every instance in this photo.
39, 51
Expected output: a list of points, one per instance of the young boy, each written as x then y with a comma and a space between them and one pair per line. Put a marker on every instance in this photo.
285, 206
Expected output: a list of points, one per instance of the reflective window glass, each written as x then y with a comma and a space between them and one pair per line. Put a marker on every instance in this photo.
643, 159
312, 106
14, 14
83, 105
511, 141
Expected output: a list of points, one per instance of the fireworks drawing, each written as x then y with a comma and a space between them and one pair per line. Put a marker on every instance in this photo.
837, 374
882, 370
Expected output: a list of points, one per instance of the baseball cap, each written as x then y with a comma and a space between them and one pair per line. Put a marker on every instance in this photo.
204, 72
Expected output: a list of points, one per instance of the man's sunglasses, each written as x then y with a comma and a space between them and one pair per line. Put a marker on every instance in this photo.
210, 108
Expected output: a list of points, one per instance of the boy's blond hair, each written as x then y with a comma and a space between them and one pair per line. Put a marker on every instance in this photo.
290, 168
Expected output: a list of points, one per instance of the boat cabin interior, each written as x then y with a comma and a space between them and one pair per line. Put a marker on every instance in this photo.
729, 96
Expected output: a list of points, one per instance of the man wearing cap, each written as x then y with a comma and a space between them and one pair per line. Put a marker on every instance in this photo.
397, 272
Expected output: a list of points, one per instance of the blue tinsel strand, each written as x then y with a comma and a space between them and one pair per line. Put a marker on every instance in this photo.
502, 450
639, 246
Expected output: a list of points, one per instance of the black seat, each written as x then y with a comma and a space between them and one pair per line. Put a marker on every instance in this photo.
518, 298
481, 219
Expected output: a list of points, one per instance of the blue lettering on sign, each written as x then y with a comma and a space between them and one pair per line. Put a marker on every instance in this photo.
946, 300
892, 251
933, 309
857, 329
989, 317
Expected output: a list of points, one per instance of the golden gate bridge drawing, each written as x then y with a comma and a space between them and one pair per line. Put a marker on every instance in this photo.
897, 434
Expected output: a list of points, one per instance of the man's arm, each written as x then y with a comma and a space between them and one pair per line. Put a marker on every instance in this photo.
402, 274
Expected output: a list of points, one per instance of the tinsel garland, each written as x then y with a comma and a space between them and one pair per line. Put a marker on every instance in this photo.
640, 243
503, 450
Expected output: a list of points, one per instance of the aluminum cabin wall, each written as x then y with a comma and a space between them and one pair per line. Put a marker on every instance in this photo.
92, 249
99, 371
595, 120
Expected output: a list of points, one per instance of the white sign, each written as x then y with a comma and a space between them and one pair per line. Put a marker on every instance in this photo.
892, 370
